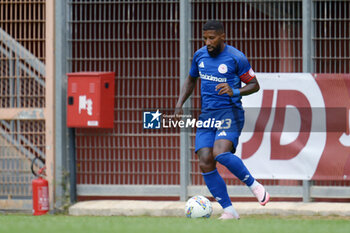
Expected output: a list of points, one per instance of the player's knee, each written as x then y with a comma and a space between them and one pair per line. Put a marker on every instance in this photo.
216, 152
222, 146
207, 163
219, 151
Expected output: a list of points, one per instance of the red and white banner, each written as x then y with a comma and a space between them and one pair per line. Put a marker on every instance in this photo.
301, 128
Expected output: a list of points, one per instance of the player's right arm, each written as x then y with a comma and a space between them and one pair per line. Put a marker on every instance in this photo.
185, 92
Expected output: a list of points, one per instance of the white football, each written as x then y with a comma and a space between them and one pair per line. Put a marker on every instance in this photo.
198, 207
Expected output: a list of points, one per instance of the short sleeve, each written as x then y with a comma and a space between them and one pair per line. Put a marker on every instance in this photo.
244, 70
194, 72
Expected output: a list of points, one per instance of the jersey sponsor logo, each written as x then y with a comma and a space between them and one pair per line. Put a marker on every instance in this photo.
201, 65
212, 78
222, 69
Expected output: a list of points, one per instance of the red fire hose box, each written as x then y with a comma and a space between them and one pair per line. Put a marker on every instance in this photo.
90, 101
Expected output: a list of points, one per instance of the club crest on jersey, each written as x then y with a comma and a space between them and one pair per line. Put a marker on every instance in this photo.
222, 69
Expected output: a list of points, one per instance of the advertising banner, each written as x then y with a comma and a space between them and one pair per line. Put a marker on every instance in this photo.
297, 127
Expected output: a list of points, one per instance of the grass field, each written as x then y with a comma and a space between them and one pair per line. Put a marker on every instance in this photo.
13, 223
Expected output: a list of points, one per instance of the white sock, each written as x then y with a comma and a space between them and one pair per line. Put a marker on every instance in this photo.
232, 210
255, 183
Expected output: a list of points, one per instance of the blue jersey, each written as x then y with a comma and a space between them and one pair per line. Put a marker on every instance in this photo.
230, 66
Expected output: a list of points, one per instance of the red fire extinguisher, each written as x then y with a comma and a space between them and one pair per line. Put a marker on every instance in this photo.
40, 188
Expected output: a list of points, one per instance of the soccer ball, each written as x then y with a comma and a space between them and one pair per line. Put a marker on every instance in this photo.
198, 207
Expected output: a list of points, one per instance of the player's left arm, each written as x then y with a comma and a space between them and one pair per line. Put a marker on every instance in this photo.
251, 87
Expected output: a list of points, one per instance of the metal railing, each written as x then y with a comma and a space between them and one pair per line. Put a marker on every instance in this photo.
22, 65
22, 98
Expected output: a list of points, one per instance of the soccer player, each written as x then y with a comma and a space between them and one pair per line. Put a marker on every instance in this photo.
222, 68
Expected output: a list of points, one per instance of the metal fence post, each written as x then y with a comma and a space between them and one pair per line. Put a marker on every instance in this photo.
60, 102
184, 66
70, 131
307, 37
307, 66
306, 190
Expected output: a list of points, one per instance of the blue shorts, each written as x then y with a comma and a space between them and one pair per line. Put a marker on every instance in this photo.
232, 123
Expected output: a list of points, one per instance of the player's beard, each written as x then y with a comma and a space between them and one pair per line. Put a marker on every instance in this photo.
215, 52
